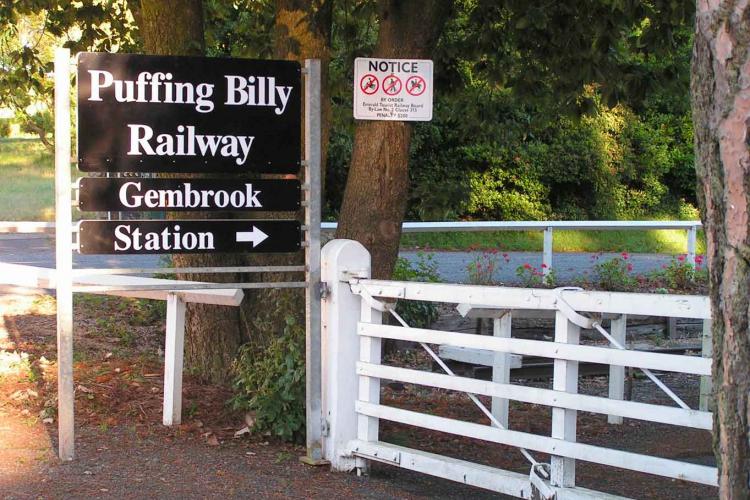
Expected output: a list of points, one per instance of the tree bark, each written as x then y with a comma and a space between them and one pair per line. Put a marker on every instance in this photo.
721, 113
212, 333
376, 192
302, 31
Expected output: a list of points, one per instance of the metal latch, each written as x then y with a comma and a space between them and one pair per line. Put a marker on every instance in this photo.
325, 290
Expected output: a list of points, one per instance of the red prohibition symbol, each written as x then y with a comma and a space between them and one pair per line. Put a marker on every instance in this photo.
416, 85
391, 85
369, 84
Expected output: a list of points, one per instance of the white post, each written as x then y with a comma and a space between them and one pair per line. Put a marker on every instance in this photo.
501, 327
706, 388
174, 347
617, 373
565, 379
313, 389
369, 387
692, 236
341, 261
547, 252
64, 258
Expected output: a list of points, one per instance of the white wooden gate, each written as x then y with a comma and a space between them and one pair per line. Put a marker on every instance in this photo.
353, 306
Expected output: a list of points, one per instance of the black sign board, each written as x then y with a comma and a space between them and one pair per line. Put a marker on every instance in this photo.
143, 195
188, 236
141, 113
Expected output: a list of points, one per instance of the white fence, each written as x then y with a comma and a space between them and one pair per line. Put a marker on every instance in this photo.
548, 227
352, 310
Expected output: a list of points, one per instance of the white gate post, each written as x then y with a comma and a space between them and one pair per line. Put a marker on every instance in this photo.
174, 348
341, 261
563, 420
501, 367
617, 373
547, 252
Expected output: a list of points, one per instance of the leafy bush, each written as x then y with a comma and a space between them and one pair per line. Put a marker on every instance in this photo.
4, 127
531, 276
417, 313
614, 274
483, 267
273, 384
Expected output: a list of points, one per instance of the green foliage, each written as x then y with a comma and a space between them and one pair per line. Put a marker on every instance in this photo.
273, 384
5, 127
417, 313
614, 274
483, 267
530, 276
680, 274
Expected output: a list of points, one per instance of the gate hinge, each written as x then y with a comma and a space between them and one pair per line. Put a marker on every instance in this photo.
325, 290
326, 428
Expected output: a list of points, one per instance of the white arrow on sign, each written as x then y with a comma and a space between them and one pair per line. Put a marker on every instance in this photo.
256, 236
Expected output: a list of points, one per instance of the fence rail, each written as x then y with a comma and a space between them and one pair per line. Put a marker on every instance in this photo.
548, 227
353, 312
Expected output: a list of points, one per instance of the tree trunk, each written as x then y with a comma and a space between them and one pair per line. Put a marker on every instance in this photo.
721, 113
302, 31
212, 333
378, 183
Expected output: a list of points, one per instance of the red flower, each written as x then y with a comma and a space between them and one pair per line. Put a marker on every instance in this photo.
624, 255
630, 267
544, 266
699, 259
527, 266
681, 258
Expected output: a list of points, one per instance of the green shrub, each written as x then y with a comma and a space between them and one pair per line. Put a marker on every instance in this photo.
614, 274
273, 384
417, 313
4, 127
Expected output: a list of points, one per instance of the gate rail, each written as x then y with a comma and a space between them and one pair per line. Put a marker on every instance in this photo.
353, 334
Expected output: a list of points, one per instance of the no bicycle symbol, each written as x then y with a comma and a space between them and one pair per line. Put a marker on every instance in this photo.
416, 85
369, 84
392, 85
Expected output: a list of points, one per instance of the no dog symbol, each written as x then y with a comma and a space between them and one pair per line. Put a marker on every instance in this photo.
369, 84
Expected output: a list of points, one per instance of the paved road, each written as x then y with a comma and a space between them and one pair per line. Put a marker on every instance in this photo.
38, 250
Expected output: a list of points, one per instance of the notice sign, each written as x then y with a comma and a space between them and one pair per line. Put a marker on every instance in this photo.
393, 89
188, 114
188, 236
142, 195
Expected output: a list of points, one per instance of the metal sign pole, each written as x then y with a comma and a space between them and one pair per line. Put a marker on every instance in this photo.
64, 257
313, 368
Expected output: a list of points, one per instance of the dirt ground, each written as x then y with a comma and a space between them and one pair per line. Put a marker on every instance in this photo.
123, 451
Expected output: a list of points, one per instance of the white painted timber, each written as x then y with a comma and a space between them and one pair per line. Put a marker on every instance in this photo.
340, 348
369, 387
42, 277
565, 379
615, 458
617, 373
639, 359
534, 395
481, 476
481, 357
501, 364
174, 346
647, 304
586, 225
